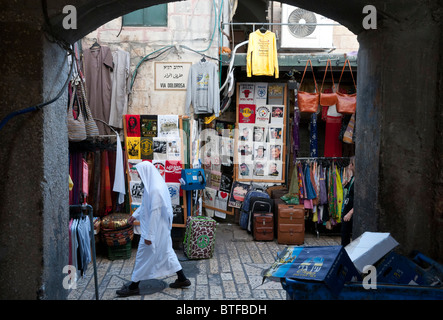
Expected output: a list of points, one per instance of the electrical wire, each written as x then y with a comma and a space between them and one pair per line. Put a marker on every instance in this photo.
166, 48
145, 58
38, 106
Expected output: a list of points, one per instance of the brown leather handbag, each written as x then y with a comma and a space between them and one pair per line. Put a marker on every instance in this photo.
308, 102
346, 103
328, 99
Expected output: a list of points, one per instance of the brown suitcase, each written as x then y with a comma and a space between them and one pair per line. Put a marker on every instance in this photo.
276, 194
290, 213
291, 234
270, 190
290, 224
263, 226
277, 202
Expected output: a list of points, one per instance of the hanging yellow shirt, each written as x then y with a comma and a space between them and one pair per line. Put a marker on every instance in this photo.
262, 59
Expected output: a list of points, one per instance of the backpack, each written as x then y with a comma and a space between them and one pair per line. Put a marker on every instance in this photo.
245, 208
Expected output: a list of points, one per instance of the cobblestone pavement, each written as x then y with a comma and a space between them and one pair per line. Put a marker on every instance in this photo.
233, 273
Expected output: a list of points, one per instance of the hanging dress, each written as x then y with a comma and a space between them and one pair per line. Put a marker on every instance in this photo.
339, 194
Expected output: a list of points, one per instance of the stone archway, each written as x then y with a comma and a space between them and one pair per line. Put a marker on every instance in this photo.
398, 156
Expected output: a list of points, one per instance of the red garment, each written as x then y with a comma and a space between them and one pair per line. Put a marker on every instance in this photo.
333, 146
105, 186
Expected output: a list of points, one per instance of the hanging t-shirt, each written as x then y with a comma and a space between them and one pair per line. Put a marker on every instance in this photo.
261, 58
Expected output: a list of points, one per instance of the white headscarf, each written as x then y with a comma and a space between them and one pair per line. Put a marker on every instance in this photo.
156, 194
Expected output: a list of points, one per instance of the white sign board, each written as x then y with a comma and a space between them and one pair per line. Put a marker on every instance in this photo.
171, 75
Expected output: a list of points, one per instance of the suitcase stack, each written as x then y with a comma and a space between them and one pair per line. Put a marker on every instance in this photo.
262, 219
263, 226
290, 224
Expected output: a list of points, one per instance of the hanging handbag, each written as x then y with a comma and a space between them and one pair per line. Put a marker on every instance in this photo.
349, 137
76, 124
328, 99
347, 103
90, 125
308, 102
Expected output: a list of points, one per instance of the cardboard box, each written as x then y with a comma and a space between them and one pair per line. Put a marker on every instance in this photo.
369, 248
397, 269
330, 265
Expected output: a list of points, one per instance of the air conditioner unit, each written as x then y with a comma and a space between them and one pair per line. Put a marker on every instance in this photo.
305, 35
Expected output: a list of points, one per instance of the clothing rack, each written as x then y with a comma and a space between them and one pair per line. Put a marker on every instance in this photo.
91, 218
322, 158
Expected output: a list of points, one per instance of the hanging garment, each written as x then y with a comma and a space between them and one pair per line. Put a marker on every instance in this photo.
310, 191
339, 188
313, 145
119, 178
333, 146
300, 181
155, 216
295, 133
322, 184
121, 82
105, 186
331, 194
98, 66
261, 58
292, 197
84, 240
203, 89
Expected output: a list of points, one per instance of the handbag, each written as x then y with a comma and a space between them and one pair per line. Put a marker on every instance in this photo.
308, 102
346, 103
328, 99
90, 125
76, 124
349, 137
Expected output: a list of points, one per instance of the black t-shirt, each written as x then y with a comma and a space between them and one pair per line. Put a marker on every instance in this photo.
349, 200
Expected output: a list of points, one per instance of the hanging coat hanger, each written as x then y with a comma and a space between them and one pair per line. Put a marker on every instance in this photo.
263, 29
203, 59
95, 45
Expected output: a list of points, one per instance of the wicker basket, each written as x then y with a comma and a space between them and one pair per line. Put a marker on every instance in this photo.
117, 237
115, 230
115, 221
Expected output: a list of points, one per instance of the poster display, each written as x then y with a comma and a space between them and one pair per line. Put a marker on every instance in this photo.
157, 139
261, 125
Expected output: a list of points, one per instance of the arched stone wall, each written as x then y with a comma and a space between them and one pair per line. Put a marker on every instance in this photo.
398, 152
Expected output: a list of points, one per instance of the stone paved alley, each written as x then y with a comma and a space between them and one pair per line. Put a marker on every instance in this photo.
234, 272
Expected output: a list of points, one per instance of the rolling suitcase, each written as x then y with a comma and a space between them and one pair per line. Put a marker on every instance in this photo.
263, 226
259, 205
199, 240
245, 208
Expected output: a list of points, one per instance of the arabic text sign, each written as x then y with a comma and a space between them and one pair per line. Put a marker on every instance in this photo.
171, 75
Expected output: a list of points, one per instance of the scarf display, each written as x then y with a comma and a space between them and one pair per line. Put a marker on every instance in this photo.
321, 187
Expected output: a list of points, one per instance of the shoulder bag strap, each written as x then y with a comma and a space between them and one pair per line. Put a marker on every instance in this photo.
312, 69
324, 77
347, 61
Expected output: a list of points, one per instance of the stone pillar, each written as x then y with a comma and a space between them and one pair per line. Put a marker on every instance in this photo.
33, 159
397, 112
